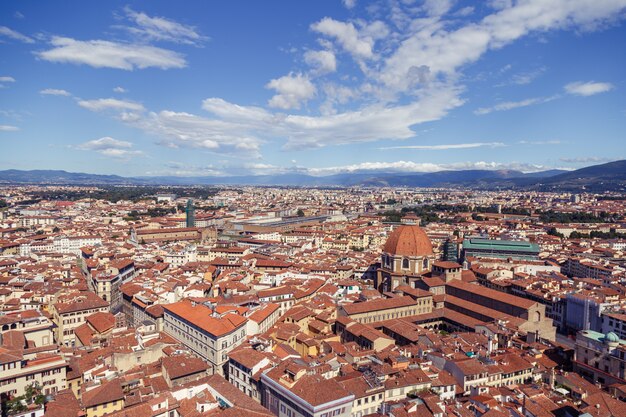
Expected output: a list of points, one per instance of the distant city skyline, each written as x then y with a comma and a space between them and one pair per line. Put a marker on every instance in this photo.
242, 88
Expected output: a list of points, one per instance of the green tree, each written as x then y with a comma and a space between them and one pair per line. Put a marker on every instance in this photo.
33, 394
553, 232
16, 405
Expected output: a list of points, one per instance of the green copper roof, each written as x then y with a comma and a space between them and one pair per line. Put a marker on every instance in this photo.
601, 337
500, 245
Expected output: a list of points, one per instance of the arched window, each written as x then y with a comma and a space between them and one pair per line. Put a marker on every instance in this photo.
537, 316
405, 263
425, 263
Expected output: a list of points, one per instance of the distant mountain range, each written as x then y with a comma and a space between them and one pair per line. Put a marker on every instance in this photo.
609, 176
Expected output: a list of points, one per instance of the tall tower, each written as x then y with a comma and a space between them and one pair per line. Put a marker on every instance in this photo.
191, 214
450, 251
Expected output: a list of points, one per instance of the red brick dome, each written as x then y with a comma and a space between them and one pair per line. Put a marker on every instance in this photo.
408, 240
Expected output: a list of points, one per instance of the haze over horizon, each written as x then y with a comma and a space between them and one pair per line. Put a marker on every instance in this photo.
247, 88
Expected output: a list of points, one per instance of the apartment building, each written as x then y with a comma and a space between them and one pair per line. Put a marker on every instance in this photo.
71, 310
243, 366
17, 373
107, 283
208, 335
290, 391
36, 328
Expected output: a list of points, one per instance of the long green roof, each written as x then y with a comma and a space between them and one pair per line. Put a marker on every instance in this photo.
500, 245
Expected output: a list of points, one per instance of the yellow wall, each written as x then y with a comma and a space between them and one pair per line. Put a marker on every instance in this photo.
103, 409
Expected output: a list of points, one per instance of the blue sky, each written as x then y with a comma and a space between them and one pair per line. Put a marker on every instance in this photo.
319, 87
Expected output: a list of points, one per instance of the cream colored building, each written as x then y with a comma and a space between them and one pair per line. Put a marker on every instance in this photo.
36, 327
386, 309
208, 335
71, 310
17, 373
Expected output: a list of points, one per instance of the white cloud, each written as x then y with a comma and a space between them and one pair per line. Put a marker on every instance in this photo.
586, 159
322, 61
449, 146
292, 90
120, 153
179, 129
540, 142
411, 166
260, 168
7, 80
8, 128
446, 51
527, 77
120, 90
397, 166
162, 29
410, 74
102, 104
10, 33
336, 94
437, 7
110, 147
107, 54
590, 88
358, 44
240, 130
521, 78
509, 105
349, 4
185, 169
105, 143
55, 92
236, 129
370, 123
465, 11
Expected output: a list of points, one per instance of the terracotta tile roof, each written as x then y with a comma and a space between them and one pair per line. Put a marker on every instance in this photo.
233, 395
489, 293
247, 357
376, 305
84, 334
408, 240
313, 389
183, 365
413, 292
101, 321
263, 313
140, 410
200, 316
106, 393
84, 300
64, 404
